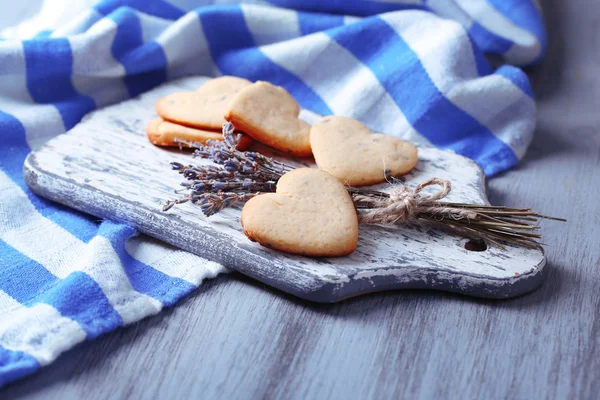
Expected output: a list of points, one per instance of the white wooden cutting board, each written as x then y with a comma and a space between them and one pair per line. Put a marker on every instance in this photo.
106, 167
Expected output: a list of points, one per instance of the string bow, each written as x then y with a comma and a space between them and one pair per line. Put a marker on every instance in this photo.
403, 205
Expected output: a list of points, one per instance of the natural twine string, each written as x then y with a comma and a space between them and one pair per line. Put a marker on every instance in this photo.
404, 205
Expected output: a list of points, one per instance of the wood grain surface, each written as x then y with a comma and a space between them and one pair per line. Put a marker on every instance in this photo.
236, 338
105, 166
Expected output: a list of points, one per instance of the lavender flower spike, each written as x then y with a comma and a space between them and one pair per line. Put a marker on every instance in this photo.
231, 140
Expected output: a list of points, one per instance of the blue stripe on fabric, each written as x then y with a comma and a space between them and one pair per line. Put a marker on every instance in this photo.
21, 277
488, 41
15, 365
518, 77
78, 297
346, 7
145, 63
49, 69
13, 151
143, 278
232, 47
24, 279
157, 8
524, 14
315, 22
401, 73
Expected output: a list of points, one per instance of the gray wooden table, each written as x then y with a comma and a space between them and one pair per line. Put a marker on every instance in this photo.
235, 338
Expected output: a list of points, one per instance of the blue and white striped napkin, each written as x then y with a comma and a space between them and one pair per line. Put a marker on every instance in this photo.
416, 69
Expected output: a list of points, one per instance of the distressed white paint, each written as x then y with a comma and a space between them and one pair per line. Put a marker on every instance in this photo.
105, 166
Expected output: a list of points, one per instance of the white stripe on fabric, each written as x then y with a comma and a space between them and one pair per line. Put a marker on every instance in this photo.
100, 261
41, 121
95, 71
347, 86
441, 44
7, 303
63, 253
171, 261
39, 331
51, 16
184, 5
350, 19
519, 55
449, 9
78, 25
309, 116
489, 100
445, 51
189, 5
271, 25
186, 49
526, 47
152, 26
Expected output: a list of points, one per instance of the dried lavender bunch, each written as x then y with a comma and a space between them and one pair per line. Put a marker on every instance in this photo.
211, 203
236, 178
249, 164
402, 206
239, 176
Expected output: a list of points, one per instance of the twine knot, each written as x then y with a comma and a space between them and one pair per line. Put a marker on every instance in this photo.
404, 205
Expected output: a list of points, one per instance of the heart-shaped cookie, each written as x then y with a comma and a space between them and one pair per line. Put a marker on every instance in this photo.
269, 114
203, 108
164, 133
348, 150
311, 214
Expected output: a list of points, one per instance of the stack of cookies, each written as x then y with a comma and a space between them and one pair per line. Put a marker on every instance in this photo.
195, 116
311, 213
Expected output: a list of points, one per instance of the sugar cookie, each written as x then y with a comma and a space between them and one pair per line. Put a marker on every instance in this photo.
348, 150
311, 214
203, 108
269, 114
164, 133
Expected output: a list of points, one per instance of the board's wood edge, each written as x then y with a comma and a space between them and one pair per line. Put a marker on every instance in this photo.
325, 291
425, 279
45, 184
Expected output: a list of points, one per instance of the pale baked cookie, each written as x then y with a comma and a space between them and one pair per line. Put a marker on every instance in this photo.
203, 108
164, 133
269, 114
348, 150
311, 214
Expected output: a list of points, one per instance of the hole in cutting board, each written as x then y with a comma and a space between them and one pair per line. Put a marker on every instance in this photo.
475, 245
